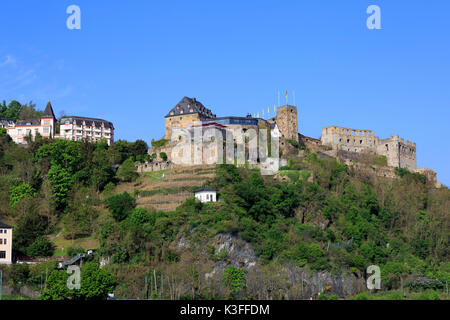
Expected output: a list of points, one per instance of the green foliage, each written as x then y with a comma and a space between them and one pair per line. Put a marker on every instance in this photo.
324, 296
121, 205
294, 143
379, 161
159, 143
61, 181
127, 171
29, 226
20, 191
233, 279
163, 156
95, 284
12, 110
41, 247
19, 275
414, 176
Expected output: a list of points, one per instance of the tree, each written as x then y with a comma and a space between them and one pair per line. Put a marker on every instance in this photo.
127, 171
233, 279
64, 153
101, 169
41, 247
11, 111
81, 213
95, 284
29, 226
138, 148
29, 112
62, 182
20, 191
120, 205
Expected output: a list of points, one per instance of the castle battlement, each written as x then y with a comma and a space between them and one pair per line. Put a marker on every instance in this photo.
398, 152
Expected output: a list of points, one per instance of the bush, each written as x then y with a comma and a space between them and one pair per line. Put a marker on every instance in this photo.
120, 205
128, 171
428, 295
163, 156
73, 251
18, 192
324, 296
159, 143
294, 143
41, 247
233, 279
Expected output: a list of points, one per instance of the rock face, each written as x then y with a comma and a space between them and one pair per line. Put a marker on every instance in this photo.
266, 281
344, 285
239, 253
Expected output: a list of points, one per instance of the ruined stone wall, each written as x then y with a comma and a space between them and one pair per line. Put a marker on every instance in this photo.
286, 120
348, 139
398, 152
154, 166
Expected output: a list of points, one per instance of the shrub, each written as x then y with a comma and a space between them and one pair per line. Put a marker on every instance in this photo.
159, 143
41, 247
128, 171
120, 205
20, 191
233, 279
163, 156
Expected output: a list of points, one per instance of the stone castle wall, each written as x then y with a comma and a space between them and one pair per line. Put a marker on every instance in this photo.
287, 122
398, 152
182, 121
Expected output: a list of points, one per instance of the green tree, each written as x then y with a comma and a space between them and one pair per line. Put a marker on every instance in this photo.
95, 284
62, 182
41, 247
120, 205
233, 279
127, 171
20, 191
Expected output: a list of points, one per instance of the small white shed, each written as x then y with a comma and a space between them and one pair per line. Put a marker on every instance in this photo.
206, 194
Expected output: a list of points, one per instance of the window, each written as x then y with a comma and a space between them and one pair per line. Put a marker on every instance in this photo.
28, 131
207, 196
2, 254
1, 231
1, 241
4, 241
46, 130
19, 131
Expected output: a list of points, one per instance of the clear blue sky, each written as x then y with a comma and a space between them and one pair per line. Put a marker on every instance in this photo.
134, 60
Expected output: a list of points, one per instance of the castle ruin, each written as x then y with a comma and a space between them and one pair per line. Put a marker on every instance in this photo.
346, 144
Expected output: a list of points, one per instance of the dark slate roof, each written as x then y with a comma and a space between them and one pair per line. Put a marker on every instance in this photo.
29, 122
191, 105
48, 112
9, 120
205, 189
79, 121
5, 226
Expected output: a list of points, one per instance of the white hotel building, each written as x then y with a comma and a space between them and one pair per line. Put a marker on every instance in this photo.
71, 128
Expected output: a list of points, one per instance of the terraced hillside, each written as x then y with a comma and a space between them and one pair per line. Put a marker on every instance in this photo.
166, 189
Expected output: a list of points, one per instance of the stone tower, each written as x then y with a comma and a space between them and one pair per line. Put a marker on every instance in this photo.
286, 120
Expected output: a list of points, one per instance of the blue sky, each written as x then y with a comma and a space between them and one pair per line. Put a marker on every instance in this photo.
134, 60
